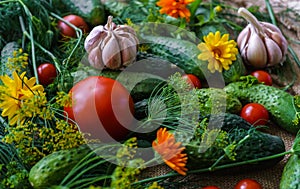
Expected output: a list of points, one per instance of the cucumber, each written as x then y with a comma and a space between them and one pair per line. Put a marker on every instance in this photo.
7, 52
51, 169
113, 7
92, 11
282, 106
214, 99
184, 54
291, 173
257, 145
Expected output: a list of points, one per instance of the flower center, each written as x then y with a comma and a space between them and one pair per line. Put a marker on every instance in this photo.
217, 52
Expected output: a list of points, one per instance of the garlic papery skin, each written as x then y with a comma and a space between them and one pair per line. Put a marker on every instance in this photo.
261, 44
111, 46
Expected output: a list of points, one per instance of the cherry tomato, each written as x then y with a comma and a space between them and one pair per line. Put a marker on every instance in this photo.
248, 184
77, 21
193, 80
210, 187
46, 73
101, 107
255, 113
263, 76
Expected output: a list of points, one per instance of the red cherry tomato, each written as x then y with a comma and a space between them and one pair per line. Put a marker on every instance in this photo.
263, 77
101, 107
210, 187
77, 21
248, 184
46, 73
255, 113
193, 80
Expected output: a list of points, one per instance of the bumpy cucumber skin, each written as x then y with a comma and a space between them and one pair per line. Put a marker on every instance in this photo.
92, 11
258, 145
7, 52
184, 54
291, 174
279, 103
114, 7
214, 99
51, 169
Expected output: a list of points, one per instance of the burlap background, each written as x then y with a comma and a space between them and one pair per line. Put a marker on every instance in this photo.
269, 178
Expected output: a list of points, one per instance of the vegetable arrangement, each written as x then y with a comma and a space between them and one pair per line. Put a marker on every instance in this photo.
89, 105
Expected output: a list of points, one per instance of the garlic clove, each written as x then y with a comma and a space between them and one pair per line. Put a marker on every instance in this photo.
243, 38
128, 50
94, 37
111, 53
256, 53
95, 59
274, 52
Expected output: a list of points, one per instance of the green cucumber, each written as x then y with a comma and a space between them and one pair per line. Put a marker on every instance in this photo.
255, 144
92, 11
282, 106
184, 54
291, 173
214, 99
51, 169
113, 7
6, 53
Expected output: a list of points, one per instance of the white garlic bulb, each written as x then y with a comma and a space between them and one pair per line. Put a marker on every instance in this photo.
111, 46
261, 44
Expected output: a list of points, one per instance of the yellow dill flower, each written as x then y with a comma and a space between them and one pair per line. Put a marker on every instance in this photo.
175, 8
18, 62
14, 91
170, 151
218, 50
154, 185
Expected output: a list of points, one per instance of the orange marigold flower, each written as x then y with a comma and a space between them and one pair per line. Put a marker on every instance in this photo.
175, 8
170, 151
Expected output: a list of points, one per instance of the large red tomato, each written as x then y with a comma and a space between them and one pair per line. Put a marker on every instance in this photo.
101, 107
255, 113
77, 21
247, 184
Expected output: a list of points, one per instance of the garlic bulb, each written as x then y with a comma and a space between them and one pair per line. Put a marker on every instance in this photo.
111, 46
261, 44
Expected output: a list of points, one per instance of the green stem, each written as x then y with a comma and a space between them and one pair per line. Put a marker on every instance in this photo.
194, 7
88, 181
291, 50
78, 34
271, 12
55, 60
209, 169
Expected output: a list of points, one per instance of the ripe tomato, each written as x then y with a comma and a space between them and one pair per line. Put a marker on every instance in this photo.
263, 76
247, 184
77, 21
210, 187
193, 80
46, 73
101, 107
255, 113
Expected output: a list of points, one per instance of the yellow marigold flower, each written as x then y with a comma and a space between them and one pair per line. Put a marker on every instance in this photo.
14, 91
175, 8
170, 151
218, 50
